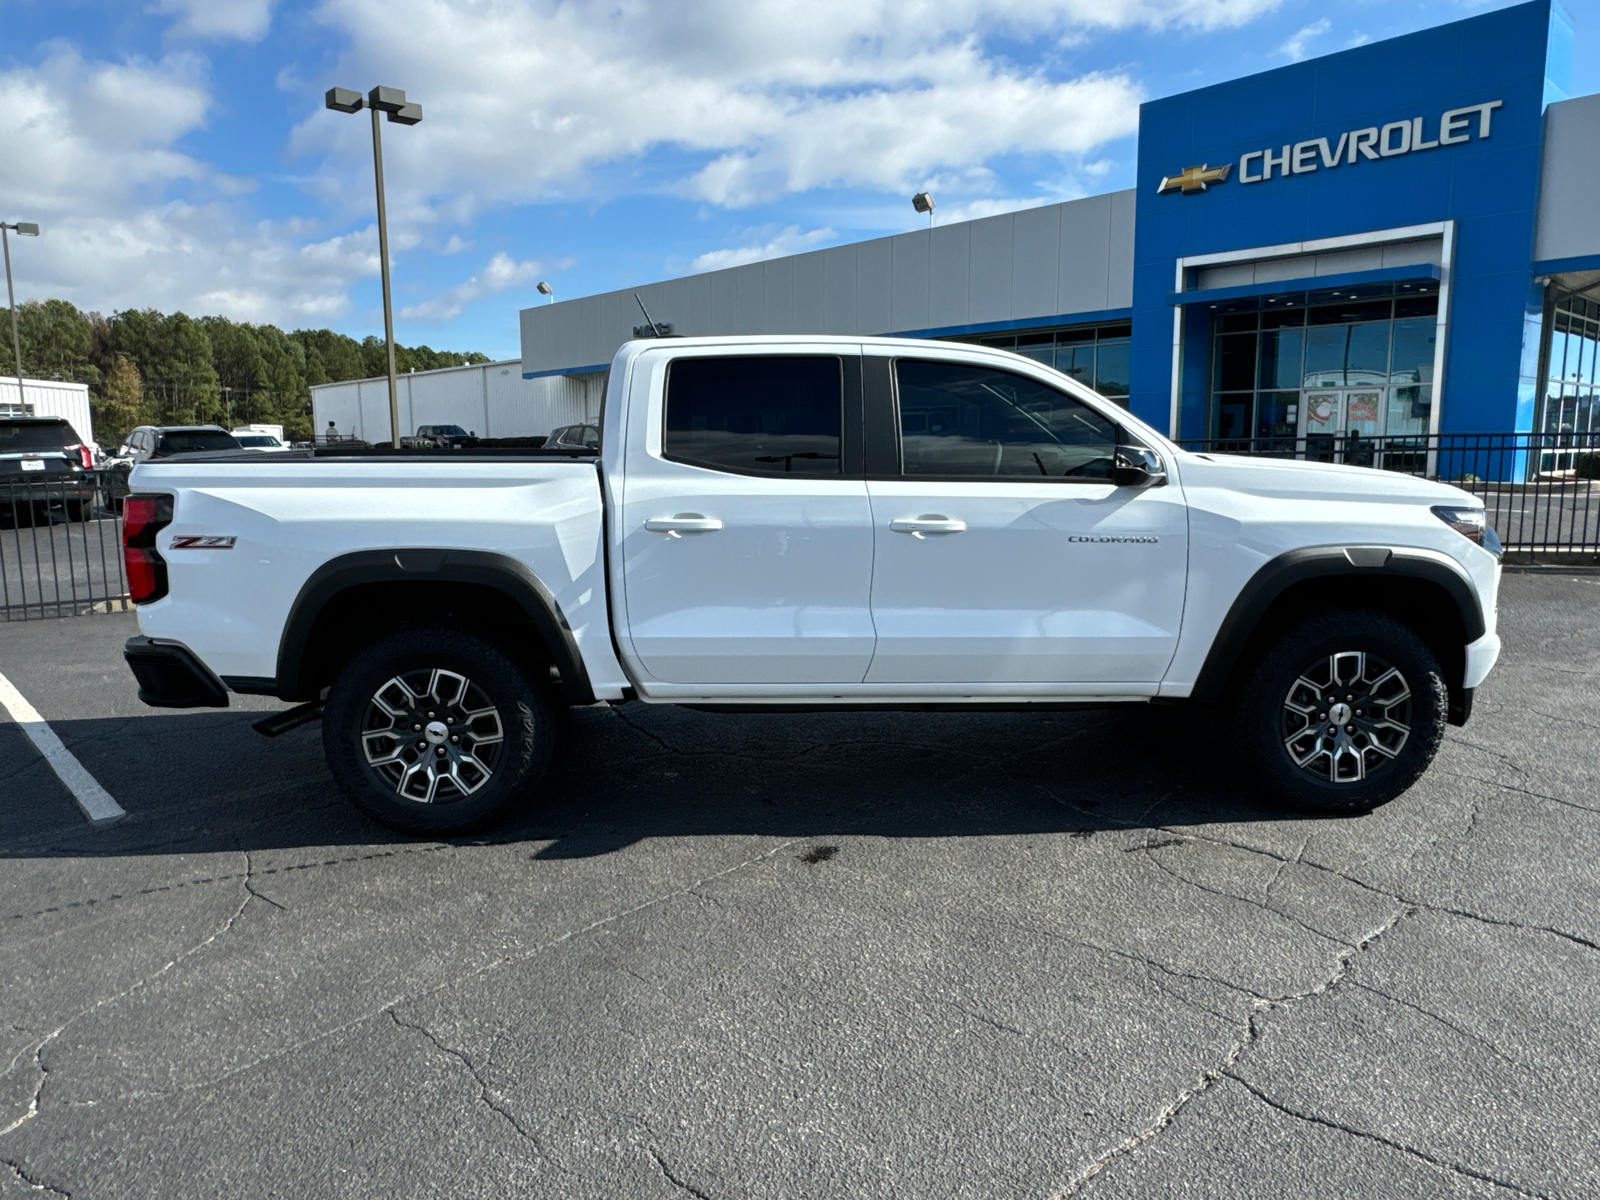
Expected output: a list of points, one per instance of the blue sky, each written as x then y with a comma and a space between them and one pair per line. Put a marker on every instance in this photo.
178, 155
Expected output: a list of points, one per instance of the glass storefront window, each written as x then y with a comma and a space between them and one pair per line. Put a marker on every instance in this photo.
1410, 409
1113, 368
1572, 381
1281, 352
1077, 361
1366, 353
1097, 356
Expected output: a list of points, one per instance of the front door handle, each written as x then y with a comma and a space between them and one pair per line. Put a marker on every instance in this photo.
920, 527
681, 523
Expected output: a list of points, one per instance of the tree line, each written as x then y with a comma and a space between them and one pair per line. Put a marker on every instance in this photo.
145, 367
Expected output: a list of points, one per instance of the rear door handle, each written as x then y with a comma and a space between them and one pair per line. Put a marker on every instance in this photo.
919, 527
681, 523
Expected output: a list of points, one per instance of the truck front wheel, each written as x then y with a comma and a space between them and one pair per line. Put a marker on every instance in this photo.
1343, 712
435, 730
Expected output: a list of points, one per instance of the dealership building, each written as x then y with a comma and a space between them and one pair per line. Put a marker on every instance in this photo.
1398, 239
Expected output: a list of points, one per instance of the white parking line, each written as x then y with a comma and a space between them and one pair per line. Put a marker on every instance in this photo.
95, 801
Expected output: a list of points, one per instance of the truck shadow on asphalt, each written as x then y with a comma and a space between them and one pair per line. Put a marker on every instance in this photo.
205, 782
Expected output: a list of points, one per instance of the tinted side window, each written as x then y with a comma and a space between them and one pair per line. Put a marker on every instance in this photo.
198, 439
756, 415
957, 419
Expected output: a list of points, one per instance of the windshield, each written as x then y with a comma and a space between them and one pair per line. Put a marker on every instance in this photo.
256, 439
449, 431
196, 439
22, 436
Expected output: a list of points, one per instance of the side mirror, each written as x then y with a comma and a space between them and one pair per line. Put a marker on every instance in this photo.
1134, 466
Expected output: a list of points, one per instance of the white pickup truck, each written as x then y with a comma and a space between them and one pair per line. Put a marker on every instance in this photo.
819, 522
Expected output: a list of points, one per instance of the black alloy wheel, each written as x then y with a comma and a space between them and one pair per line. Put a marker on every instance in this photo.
1343, 712
436, 729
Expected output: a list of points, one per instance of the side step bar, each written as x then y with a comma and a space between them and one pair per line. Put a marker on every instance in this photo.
289, 718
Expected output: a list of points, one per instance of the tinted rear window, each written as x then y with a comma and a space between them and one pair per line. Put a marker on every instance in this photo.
196, 439
756, 415
20, 436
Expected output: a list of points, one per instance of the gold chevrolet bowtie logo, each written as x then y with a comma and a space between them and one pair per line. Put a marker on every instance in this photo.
1194, 179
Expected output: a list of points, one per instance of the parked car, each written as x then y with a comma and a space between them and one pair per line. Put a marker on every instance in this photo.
575, 437
259, 441
43, 467
440, 437
849, 523
149, 442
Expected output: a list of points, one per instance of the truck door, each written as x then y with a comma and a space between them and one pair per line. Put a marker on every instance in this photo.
1004, 554
746, 532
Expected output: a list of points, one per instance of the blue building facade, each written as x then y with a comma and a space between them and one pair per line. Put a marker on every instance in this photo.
1286, 287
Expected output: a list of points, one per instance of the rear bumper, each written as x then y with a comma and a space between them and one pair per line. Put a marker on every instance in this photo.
170, 676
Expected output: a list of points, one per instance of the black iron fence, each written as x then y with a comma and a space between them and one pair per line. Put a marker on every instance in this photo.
60, 547
1541, 490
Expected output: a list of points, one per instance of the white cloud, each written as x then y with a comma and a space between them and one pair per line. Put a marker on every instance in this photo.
791, 240
245, 20
502, 272
457, 244
1295, 48
527, 99
94, 149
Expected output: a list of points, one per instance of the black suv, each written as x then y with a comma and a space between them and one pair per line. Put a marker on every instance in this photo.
43, 466
162, 441
574, 437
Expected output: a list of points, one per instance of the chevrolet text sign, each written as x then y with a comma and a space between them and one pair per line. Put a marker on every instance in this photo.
1374, 142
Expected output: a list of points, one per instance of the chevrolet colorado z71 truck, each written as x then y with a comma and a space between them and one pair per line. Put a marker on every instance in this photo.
822, 522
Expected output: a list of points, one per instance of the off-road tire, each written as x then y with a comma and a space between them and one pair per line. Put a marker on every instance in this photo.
1366, 760
357, 730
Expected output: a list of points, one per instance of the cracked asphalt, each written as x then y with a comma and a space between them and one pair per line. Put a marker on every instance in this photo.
918, 955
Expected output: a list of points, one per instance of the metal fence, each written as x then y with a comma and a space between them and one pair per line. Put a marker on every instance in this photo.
1541, 490
60, 548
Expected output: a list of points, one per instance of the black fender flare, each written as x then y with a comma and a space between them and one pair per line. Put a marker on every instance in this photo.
1279, 574
501, 572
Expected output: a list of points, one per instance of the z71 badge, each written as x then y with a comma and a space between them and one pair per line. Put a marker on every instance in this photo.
195, 541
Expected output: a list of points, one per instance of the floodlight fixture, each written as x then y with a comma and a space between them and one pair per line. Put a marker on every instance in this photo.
342, 100
26, 228
544, 289
923, 203
393, 104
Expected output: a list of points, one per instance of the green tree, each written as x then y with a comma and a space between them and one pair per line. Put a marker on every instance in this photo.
330, 357
56, 343
173, 355
241, 372
119, 404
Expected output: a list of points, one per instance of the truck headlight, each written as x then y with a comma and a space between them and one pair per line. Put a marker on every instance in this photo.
1470, 523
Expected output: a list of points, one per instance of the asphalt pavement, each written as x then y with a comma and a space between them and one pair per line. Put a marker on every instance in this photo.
912, 955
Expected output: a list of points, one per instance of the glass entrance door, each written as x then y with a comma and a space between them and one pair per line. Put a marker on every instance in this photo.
1336, 421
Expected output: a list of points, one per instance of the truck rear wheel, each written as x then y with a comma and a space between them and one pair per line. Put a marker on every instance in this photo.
436, 730
1343, 712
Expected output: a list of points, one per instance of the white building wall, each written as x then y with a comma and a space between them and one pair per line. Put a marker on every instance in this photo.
1568, 223
49, 398
1038, 264
489, 399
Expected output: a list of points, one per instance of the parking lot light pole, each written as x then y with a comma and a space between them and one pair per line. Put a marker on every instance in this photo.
22, 229
392, 103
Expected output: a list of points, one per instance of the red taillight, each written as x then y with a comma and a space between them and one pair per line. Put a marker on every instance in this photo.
142, 518
86, 457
